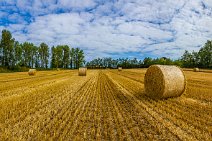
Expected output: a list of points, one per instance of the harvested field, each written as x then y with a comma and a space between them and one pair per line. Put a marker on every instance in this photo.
103, 105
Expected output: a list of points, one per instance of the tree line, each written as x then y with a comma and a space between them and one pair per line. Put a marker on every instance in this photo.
14, 55
201, 59
129, 63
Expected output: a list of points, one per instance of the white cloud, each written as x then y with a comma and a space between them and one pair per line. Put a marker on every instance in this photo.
208, 3
77, 3
154, 28
144, 30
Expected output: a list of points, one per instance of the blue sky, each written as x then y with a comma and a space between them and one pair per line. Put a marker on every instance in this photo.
112, 28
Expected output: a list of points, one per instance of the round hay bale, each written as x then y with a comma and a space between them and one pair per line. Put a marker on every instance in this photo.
58, 69
163, 81
82, 71
119, 68
32, 71
196, 69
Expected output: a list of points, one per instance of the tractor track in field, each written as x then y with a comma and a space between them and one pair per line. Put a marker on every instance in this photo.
77, 112
32, 87
174, 129
27, 82
128, 76
191, 85
148, 118
65, 114
183, 122
104, 105
38, 112
31, 77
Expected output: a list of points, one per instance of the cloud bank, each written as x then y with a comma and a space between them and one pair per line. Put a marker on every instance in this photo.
112, 28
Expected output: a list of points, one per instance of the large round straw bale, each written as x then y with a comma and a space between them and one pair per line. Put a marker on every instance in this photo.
163, 81
196, 69
32, 71
82, 71
119, 68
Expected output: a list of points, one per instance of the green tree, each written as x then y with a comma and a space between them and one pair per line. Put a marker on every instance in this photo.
1, 55
18, 54
205, 54
44, 55
195, 59
27, 54
203, 58
72, 52
178, 62
66, 56
7, 49
78, 58
37, 59
81, 59
34, 52
147, 61
53, 58
187, 59
134, 63
59, 56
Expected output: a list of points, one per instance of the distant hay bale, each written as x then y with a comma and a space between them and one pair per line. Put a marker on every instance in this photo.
82, 71
119, 68
58, 69
196, 69
163, 81
32, 71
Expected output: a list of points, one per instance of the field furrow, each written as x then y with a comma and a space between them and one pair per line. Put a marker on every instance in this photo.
41, 104
104, 105
10, 88
192, 126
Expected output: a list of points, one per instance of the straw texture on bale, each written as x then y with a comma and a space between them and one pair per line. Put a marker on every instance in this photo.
163, 81
196, 69
32, 71
82, 71
119, 68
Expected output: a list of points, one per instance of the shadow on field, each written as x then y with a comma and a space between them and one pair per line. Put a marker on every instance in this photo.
142, 96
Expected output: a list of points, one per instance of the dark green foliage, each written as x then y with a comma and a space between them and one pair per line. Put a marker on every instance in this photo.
18, 54
66, 56
59, 56
19, 57
63, 57
205, 55
53, 58
29, 52
72, 52
78, 58
7, 49
44, 55
130, 63
201, 59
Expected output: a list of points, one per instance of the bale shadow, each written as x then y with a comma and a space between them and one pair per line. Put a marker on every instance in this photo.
143, 96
